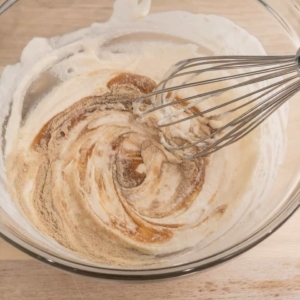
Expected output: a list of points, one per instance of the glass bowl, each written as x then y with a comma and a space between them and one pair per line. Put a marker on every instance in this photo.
275, 23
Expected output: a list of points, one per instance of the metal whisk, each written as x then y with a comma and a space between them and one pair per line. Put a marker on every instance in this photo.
278, 78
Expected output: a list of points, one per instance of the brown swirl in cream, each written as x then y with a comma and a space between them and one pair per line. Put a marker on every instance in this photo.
101, 184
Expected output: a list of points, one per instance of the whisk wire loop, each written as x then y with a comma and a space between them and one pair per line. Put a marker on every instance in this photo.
277, 77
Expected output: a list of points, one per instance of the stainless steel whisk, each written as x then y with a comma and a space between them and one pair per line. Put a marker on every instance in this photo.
280, 77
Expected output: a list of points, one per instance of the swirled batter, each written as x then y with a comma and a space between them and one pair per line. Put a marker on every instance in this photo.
100, 174
95, 181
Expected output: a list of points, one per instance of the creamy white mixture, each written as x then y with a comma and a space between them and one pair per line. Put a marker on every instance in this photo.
81, 63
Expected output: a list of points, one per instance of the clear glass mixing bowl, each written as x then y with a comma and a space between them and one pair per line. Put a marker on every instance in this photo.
276, 23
